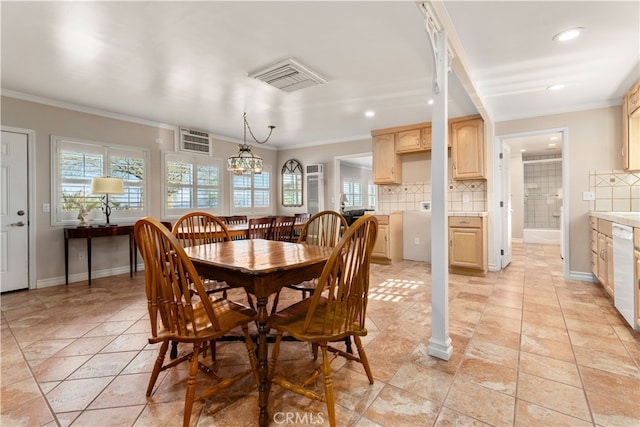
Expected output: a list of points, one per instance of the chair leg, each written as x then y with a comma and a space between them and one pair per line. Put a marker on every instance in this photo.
314, 350
363, 358
253, 361
191, 386
157, 367
275, 353
250, 300
174, 350
212, 344
274, 307
328, 385
347, 344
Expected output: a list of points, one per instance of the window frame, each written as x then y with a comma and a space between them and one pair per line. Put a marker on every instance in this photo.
194, 161
106, 150
252, 210
292, 168
350, 193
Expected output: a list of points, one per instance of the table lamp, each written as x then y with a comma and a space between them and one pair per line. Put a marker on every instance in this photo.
106, 185
343, 201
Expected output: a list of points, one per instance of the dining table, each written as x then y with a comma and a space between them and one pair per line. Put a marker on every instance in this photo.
262, 267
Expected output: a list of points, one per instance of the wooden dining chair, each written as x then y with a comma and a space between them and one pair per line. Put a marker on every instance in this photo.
259, 228
300, 218
337, 309
180, 310
197, 228
282, 228
324, 228
235, 219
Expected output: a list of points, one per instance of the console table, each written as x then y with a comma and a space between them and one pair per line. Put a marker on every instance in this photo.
91, 232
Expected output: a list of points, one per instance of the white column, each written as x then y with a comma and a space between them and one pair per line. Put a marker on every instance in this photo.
440, 342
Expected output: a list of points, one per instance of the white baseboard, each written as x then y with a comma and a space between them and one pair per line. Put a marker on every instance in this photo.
582, 276
79, 277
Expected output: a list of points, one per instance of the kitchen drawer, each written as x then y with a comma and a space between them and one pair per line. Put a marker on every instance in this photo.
594, 240
636, 238
383, 219
604, 227
594, 222
465, 221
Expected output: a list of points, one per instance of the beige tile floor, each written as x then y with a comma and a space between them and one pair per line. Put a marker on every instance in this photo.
530, 349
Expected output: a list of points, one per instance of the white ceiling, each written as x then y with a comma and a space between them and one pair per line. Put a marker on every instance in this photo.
187, 63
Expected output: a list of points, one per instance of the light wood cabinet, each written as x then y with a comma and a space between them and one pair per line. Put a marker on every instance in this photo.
468, 245
636, 257
413, 141
602, 253
631, 129
386, 163
388, 246
467, 149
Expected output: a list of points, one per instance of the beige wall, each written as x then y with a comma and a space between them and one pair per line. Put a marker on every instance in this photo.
325, 155
594, 144
108, 253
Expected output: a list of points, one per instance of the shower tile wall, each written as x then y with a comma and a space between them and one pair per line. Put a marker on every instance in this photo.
465, 196
542, 192
615, 191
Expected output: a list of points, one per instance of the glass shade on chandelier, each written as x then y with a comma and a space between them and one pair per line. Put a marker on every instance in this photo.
246, 161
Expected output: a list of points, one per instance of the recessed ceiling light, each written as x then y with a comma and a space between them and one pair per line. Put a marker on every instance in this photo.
568, 34
551, 144
555, 87
370, 113
430, 102
554, 138
522, 150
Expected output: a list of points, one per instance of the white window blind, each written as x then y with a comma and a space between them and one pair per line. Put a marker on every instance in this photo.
74, 164
191, 183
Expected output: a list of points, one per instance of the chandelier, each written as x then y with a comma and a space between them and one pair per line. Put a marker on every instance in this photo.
246, 161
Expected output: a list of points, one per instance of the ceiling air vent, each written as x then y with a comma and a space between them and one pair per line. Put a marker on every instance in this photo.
288, 75
195, 141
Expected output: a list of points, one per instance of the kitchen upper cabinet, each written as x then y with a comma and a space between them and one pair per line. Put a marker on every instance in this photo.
467, 149
631, 129
386, 163
413, 141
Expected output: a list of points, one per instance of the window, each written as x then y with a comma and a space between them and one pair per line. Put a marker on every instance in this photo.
76, 162
252, 192
191, 183
353, 191
371, 195
292, 183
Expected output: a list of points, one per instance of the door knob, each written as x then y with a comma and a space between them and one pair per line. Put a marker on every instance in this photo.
20, 212
17, 224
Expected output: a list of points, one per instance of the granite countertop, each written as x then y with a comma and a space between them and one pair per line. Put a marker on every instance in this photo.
632, 219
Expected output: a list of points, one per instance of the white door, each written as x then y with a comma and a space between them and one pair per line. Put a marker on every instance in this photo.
505, 168
14, 227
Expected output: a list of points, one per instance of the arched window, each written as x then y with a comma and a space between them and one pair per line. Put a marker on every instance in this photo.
292, 183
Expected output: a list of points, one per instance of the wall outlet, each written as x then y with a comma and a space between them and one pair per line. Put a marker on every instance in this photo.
416, 240
588, 195
465, 198
82, 255
46, 207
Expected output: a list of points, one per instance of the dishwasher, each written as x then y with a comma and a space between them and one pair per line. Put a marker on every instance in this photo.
623, 291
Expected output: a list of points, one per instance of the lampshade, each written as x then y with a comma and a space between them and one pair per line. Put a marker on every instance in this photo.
245, 161
343, 198
107, 185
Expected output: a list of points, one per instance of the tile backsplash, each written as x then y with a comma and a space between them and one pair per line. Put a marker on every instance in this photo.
615, 191
465, 196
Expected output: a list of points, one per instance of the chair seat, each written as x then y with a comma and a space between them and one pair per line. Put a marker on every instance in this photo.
291, 320
228, 313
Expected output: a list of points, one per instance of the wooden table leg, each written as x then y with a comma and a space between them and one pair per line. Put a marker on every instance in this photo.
263, 386
89, 258
66, 259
